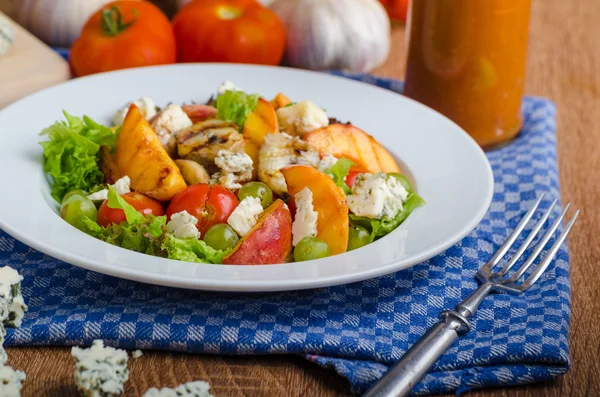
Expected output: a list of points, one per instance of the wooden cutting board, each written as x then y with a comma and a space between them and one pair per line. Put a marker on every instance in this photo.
29, 66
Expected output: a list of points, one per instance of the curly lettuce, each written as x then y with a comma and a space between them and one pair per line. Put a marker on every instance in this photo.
147, 234
191, 250
71, 153
235, 106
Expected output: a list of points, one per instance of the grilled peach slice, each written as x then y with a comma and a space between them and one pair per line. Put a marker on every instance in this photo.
280, 101
141, 156
344, 140
341, 140
262, 121
328, 200
385, 159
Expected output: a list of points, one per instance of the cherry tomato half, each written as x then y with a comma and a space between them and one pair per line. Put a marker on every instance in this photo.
211, 204
140, 202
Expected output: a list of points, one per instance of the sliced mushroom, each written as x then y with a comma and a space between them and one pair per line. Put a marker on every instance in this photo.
192, 172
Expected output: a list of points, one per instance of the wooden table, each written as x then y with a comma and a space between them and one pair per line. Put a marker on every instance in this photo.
564, 65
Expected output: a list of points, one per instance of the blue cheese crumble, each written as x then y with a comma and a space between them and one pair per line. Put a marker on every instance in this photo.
12, 305
3, 355
301, 118
236, 168
147, 107
305, 221
122, 186
245, 215
11, 382
183, 225
191, 389
376, 196
327, 162
227, 86
100, 371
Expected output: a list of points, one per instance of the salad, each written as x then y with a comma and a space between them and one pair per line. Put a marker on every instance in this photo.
239, 180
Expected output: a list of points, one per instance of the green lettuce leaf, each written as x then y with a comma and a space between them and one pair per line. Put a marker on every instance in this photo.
235, 106
144, 236
71, 154
382, 227
147, 234
115, 201
191, 250
339, 171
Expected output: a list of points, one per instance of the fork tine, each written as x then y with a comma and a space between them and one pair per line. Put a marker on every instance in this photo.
537, 273
499, 254
538, 249
528, 240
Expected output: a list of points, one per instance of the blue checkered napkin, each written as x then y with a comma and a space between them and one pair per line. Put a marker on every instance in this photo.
357, 329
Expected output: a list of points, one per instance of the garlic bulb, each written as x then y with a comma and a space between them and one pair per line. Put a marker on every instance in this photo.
352, 35
7, 34
57, 22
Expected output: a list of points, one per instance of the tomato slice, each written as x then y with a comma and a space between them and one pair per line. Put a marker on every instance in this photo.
140, 202
210, 204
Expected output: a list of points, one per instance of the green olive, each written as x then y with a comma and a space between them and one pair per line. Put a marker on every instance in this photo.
310, 248
358, 236
258, 190
221, 237
76, 207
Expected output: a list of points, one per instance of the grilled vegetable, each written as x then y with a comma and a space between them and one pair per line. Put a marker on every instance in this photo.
203, 141
279, 151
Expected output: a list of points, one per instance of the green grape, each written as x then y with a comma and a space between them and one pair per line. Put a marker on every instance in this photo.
77, 192
76, 207
310, 248
402, 180
358, 236
221, 237
258, 190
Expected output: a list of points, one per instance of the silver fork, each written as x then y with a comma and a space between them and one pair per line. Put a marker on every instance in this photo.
404, 375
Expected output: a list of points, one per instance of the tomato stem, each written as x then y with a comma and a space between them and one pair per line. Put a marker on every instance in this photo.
112, 21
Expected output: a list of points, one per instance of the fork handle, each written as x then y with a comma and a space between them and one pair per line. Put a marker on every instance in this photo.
404, 375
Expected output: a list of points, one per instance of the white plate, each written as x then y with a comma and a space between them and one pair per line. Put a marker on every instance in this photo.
450, 170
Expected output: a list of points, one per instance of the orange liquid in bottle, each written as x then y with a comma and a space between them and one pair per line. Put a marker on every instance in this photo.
466, 59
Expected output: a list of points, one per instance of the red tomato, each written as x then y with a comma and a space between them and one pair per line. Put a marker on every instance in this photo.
140, 202
123, 34
211, 204
351, 177
238, 31
397, 9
